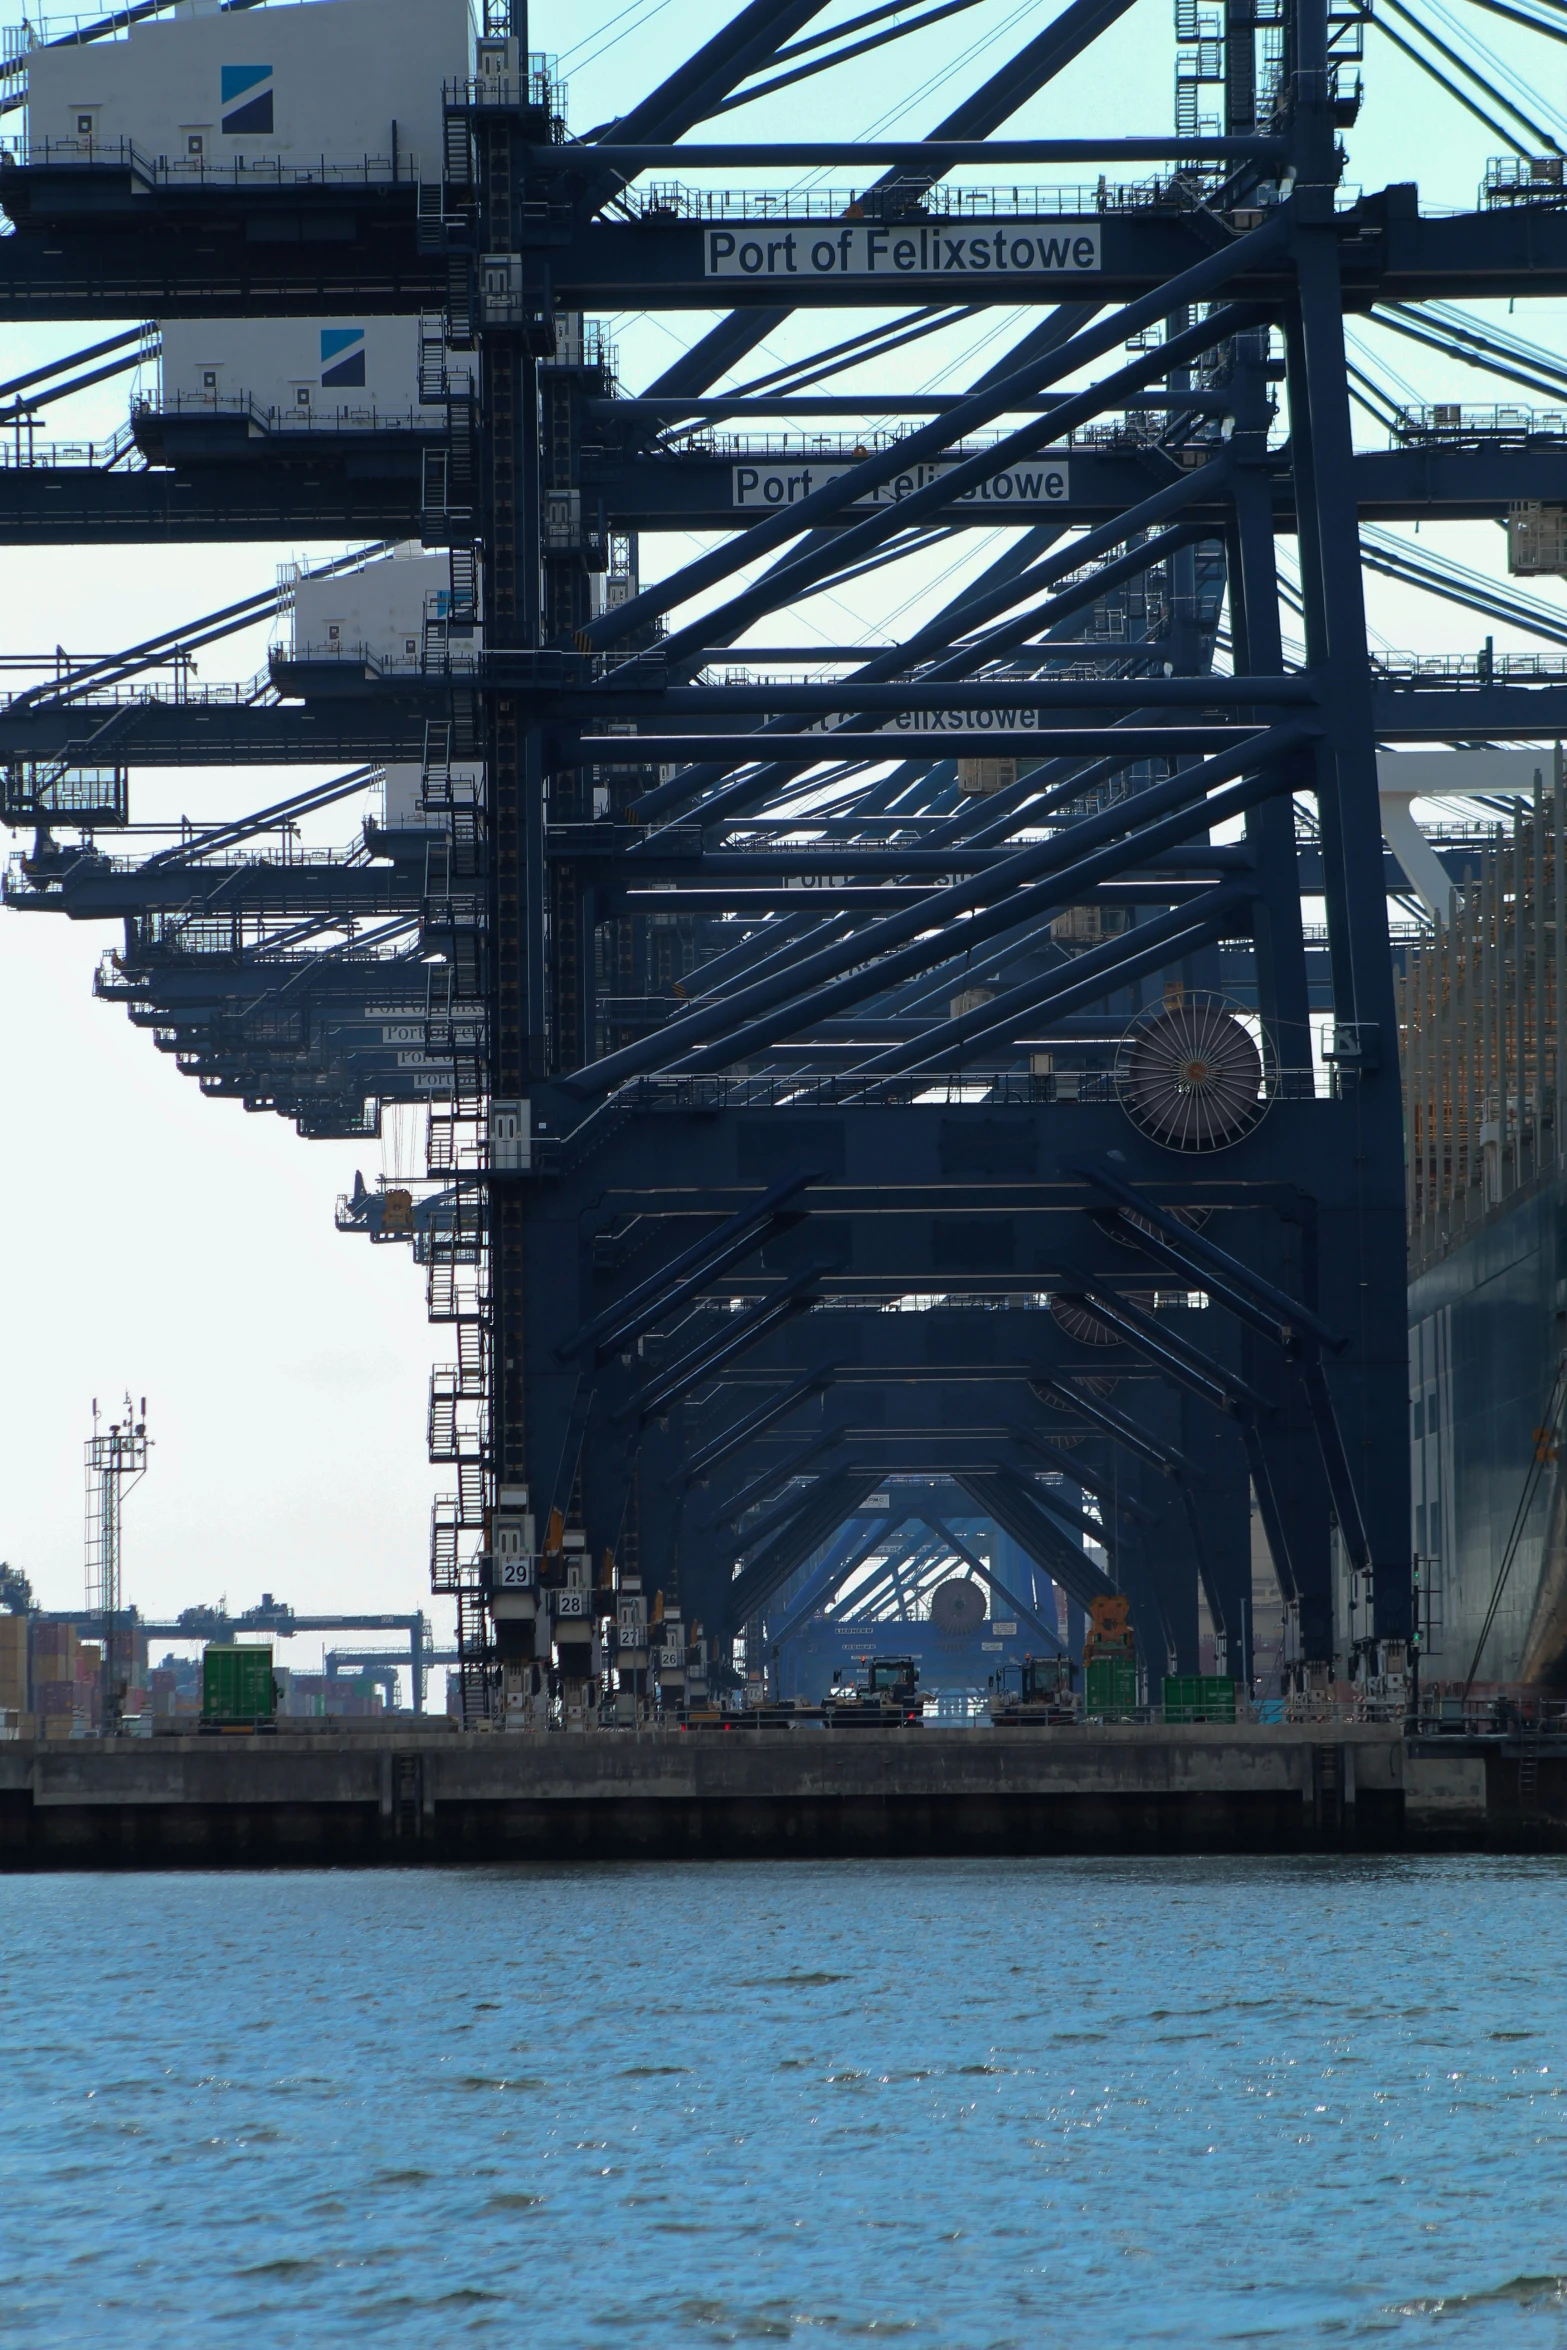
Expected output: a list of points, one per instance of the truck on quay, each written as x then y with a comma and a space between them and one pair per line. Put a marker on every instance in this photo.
887, 1698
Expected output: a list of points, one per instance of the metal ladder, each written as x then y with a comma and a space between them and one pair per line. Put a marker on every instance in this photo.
458, 155
464, 607
430, 219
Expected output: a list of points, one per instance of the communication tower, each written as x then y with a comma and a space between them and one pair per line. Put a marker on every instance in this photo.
116, 1459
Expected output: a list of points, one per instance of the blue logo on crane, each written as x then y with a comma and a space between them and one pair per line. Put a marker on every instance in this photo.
247, 98
342, 356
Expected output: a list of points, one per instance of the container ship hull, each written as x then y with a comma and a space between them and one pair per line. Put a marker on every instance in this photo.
1487, 1329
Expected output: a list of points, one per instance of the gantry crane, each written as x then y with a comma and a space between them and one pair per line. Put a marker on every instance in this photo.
850, 1062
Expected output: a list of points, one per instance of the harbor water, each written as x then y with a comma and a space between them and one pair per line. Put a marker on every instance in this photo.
950, 2103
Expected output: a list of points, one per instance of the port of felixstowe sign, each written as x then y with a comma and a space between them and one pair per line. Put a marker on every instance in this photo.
1025, 720
1011, 249
1043, 482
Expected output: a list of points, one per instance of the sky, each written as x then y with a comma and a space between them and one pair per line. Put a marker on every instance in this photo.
184, 1250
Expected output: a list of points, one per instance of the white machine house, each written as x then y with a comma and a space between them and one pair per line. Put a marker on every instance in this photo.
296, 92
308, 371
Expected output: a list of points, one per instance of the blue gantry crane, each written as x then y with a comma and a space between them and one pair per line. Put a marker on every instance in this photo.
903, 1063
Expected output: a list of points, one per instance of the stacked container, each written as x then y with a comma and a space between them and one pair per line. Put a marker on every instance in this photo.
54, 1664
13, 1664
1109, 1659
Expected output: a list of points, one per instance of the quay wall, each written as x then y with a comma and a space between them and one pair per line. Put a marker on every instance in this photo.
410, 1795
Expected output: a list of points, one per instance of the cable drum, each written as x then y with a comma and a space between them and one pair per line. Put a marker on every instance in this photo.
1082, 1325
1190, 1076
958, 1605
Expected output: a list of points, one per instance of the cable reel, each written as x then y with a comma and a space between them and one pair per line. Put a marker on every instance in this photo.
1190, 1075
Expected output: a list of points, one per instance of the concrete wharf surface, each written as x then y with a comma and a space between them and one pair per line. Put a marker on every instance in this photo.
404, 1792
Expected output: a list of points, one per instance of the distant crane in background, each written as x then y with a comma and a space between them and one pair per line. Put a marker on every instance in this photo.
116, 1461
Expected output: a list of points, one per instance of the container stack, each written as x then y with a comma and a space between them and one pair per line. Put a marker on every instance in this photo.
55, 1661
87, 1711
1109, 1660
13, 1664
16, 1717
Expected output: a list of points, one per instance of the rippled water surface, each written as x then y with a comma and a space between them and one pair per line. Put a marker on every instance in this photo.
1052, 2102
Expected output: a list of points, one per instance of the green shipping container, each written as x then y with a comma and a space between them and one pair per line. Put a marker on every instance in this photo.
1110, 1686
237, 1685
1182, 1697
1198, 1697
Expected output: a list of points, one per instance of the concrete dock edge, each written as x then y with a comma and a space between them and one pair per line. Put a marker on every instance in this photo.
411, 1795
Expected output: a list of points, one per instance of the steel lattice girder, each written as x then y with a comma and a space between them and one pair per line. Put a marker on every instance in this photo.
390, 727
189, 505
1336, 1243
215, 252
949, 1216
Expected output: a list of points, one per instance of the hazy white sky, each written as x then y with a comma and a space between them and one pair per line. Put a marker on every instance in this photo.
176, 1246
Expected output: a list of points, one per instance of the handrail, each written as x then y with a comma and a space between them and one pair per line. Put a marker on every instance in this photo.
1452, 420
23, 454
162, 171
244, 405
782, 1091
665, 199
238, 694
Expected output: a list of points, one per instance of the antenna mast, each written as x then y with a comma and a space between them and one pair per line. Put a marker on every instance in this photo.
116, 1461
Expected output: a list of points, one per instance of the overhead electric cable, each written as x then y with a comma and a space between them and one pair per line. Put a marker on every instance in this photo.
1481, 81
206, 630
1498, 68
1456, 584
1498, 129
146, 333
801, 73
